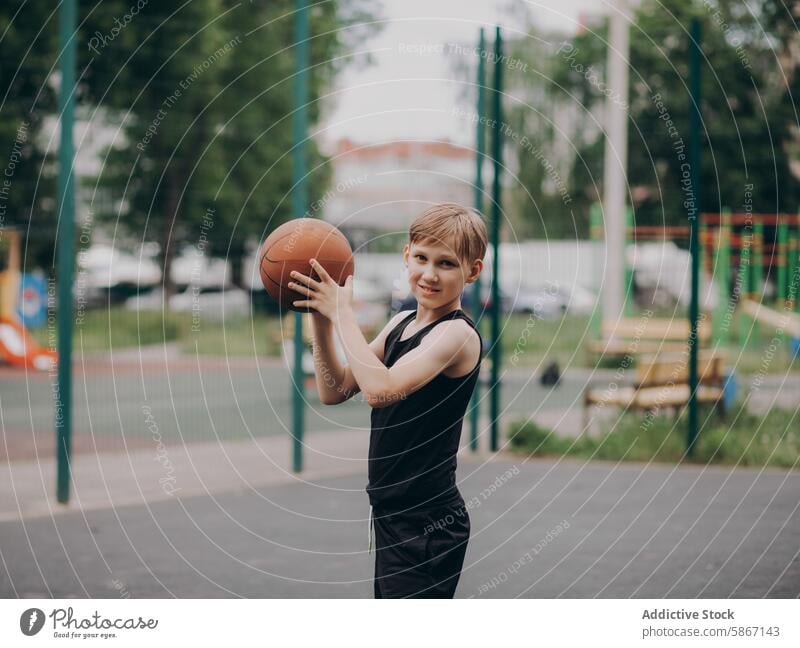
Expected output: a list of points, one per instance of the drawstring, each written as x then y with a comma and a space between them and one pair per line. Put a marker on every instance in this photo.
369, 531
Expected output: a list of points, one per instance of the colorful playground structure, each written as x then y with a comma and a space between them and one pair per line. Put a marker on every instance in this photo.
753, 261
754, 249
17, 347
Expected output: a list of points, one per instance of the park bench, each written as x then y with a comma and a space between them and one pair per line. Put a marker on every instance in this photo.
662, 380
634, 336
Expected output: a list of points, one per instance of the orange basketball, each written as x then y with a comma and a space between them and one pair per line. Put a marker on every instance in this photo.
291, 247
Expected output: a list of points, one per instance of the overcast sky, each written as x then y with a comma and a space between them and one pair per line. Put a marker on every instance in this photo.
409, 92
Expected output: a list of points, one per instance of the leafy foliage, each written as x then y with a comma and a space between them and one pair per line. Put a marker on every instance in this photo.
749, 131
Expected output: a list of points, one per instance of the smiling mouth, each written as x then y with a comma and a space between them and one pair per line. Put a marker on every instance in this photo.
426, 290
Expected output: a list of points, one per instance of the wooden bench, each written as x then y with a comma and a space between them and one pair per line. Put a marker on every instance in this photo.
633, 336
663, 381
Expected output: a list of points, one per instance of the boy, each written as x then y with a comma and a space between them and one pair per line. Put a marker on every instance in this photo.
418, 376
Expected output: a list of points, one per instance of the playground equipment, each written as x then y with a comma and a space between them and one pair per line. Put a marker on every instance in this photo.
745, 254
636, 235
786, 321
17, 347
752, 248
782, 322
666, 267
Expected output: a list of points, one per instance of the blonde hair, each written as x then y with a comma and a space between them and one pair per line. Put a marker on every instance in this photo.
453, 225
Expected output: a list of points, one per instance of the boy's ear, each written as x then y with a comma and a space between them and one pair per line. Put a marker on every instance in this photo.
406, 249
475, 270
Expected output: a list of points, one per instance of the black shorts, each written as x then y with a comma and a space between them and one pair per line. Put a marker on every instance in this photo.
419, 554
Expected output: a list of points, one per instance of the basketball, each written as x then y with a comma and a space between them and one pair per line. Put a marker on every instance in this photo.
291, 246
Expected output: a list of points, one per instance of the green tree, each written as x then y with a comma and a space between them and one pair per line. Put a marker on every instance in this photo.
203, 91
741, 143
28, 46
744, 142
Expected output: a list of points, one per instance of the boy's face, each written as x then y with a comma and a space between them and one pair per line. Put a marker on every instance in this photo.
435, 273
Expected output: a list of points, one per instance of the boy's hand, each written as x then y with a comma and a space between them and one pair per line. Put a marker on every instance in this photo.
325, 296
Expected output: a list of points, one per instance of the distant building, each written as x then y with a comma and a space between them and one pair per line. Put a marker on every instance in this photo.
378, 189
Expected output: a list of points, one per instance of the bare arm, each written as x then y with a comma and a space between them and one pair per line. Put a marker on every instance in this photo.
335, 382
327, 368
382, 385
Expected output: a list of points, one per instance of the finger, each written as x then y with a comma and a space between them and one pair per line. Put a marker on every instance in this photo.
303, 290
322, 272
299, 276
303, 303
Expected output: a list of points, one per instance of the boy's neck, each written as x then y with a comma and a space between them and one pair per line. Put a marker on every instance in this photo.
427, 315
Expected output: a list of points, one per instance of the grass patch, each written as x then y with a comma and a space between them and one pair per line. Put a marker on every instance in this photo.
244, 336
118, 328
527, 340
743, 438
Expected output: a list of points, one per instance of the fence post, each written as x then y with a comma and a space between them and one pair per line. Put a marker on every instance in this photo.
66, 250
757, 273
721, 253
480, 153
745, 291
299, 207
794, 265
781, 259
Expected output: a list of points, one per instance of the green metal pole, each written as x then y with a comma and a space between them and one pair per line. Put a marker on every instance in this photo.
782, 258
745, 291
794, 265
721, 274
629, 225
702, 243
480, 152
694, 156
299, 205
497, 152
66, 249
757, 273
596, 234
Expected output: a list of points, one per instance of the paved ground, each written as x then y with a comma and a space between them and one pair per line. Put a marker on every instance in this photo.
182, 488
195, 400
200, 400
548, 529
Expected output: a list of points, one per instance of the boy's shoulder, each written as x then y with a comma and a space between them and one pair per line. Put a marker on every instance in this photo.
458, 329
396, 319
458, 341
454, 330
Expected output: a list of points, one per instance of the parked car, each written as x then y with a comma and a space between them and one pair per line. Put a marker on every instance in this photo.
212, 302
544, 303
146, 301
468, 298
551, 300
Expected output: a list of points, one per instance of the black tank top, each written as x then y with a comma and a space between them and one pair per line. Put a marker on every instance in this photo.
414, 441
